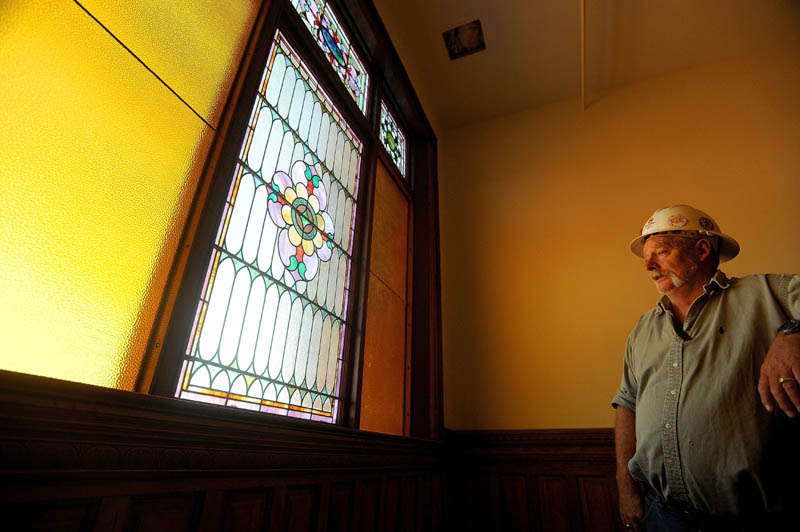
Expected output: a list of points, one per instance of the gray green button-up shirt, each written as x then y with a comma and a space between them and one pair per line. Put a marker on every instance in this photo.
702, 436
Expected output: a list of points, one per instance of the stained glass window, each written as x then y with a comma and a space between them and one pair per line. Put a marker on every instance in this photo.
393, 139
322, 23
269, 327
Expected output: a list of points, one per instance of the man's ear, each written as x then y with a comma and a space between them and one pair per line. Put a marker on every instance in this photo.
703, 248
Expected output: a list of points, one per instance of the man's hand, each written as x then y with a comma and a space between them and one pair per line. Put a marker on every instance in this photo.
630, 503
782, 361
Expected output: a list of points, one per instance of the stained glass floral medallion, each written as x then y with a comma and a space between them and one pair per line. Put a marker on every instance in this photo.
393, 139
320, 20
270, 322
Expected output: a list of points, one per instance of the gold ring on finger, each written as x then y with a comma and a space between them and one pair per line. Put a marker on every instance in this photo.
784, 380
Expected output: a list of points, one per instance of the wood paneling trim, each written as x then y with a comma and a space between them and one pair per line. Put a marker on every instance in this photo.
524, 480
53, 426
100, 459
553, 444
562, 438
76, 457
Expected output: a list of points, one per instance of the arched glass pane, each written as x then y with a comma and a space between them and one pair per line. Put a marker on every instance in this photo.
271, 314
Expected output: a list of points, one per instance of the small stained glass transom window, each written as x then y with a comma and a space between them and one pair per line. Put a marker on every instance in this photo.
322, 23
269, 327
393, 139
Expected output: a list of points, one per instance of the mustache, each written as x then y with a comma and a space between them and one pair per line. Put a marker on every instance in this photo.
658, 274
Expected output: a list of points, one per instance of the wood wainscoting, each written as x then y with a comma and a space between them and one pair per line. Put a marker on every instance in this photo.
76, 457
532, 480
82, 458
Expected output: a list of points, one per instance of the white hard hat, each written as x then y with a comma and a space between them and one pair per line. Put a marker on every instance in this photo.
684, 220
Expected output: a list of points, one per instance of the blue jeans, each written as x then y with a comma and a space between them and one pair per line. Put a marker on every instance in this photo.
661, 517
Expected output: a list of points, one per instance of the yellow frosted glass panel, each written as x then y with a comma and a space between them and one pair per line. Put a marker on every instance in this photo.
193, 45
389, 233
383, 379
384, 374
97, 165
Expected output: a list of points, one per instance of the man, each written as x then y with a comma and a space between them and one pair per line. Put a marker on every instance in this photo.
696, 448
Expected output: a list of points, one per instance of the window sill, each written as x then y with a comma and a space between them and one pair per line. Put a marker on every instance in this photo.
54, 427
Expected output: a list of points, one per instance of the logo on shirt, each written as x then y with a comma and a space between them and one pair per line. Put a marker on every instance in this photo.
676, 220
706, 223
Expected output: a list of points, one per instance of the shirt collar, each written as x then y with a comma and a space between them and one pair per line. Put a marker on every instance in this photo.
719, 281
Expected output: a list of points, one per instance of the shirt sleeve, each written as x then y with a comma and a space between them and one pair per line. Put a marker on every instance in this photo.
793, 295
787, 290
626, 395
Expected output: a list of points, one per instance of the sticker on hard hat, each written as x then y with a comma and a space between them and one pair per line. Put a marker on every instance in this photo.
706, 224
650, 222
676, 220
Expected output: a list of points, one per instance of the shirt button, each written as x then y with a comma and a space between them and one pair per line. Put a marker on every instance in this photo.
672, 392
668, 425
674, 364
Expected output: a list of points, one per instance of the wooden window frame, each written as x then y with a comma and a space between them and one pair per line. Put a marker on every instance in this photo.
390, 83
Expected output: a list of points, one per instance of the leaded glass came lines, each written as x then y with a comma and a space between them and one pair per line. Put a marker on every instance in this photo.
271, 320
393, 139
320, 20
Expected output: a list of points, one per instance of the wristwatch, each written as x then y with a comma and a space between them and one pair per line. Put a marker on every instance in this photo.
790, 327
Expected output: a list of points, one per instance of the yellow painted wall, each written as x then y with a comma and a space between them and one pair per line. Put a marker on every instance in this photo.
98, 164
537, 208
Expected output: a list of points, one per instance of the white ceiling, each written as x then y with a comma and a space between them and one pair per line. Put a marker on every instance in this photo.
533, 47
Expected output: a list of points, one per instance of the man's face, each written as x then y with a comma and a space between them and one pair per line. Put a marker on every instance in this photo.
669, 264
